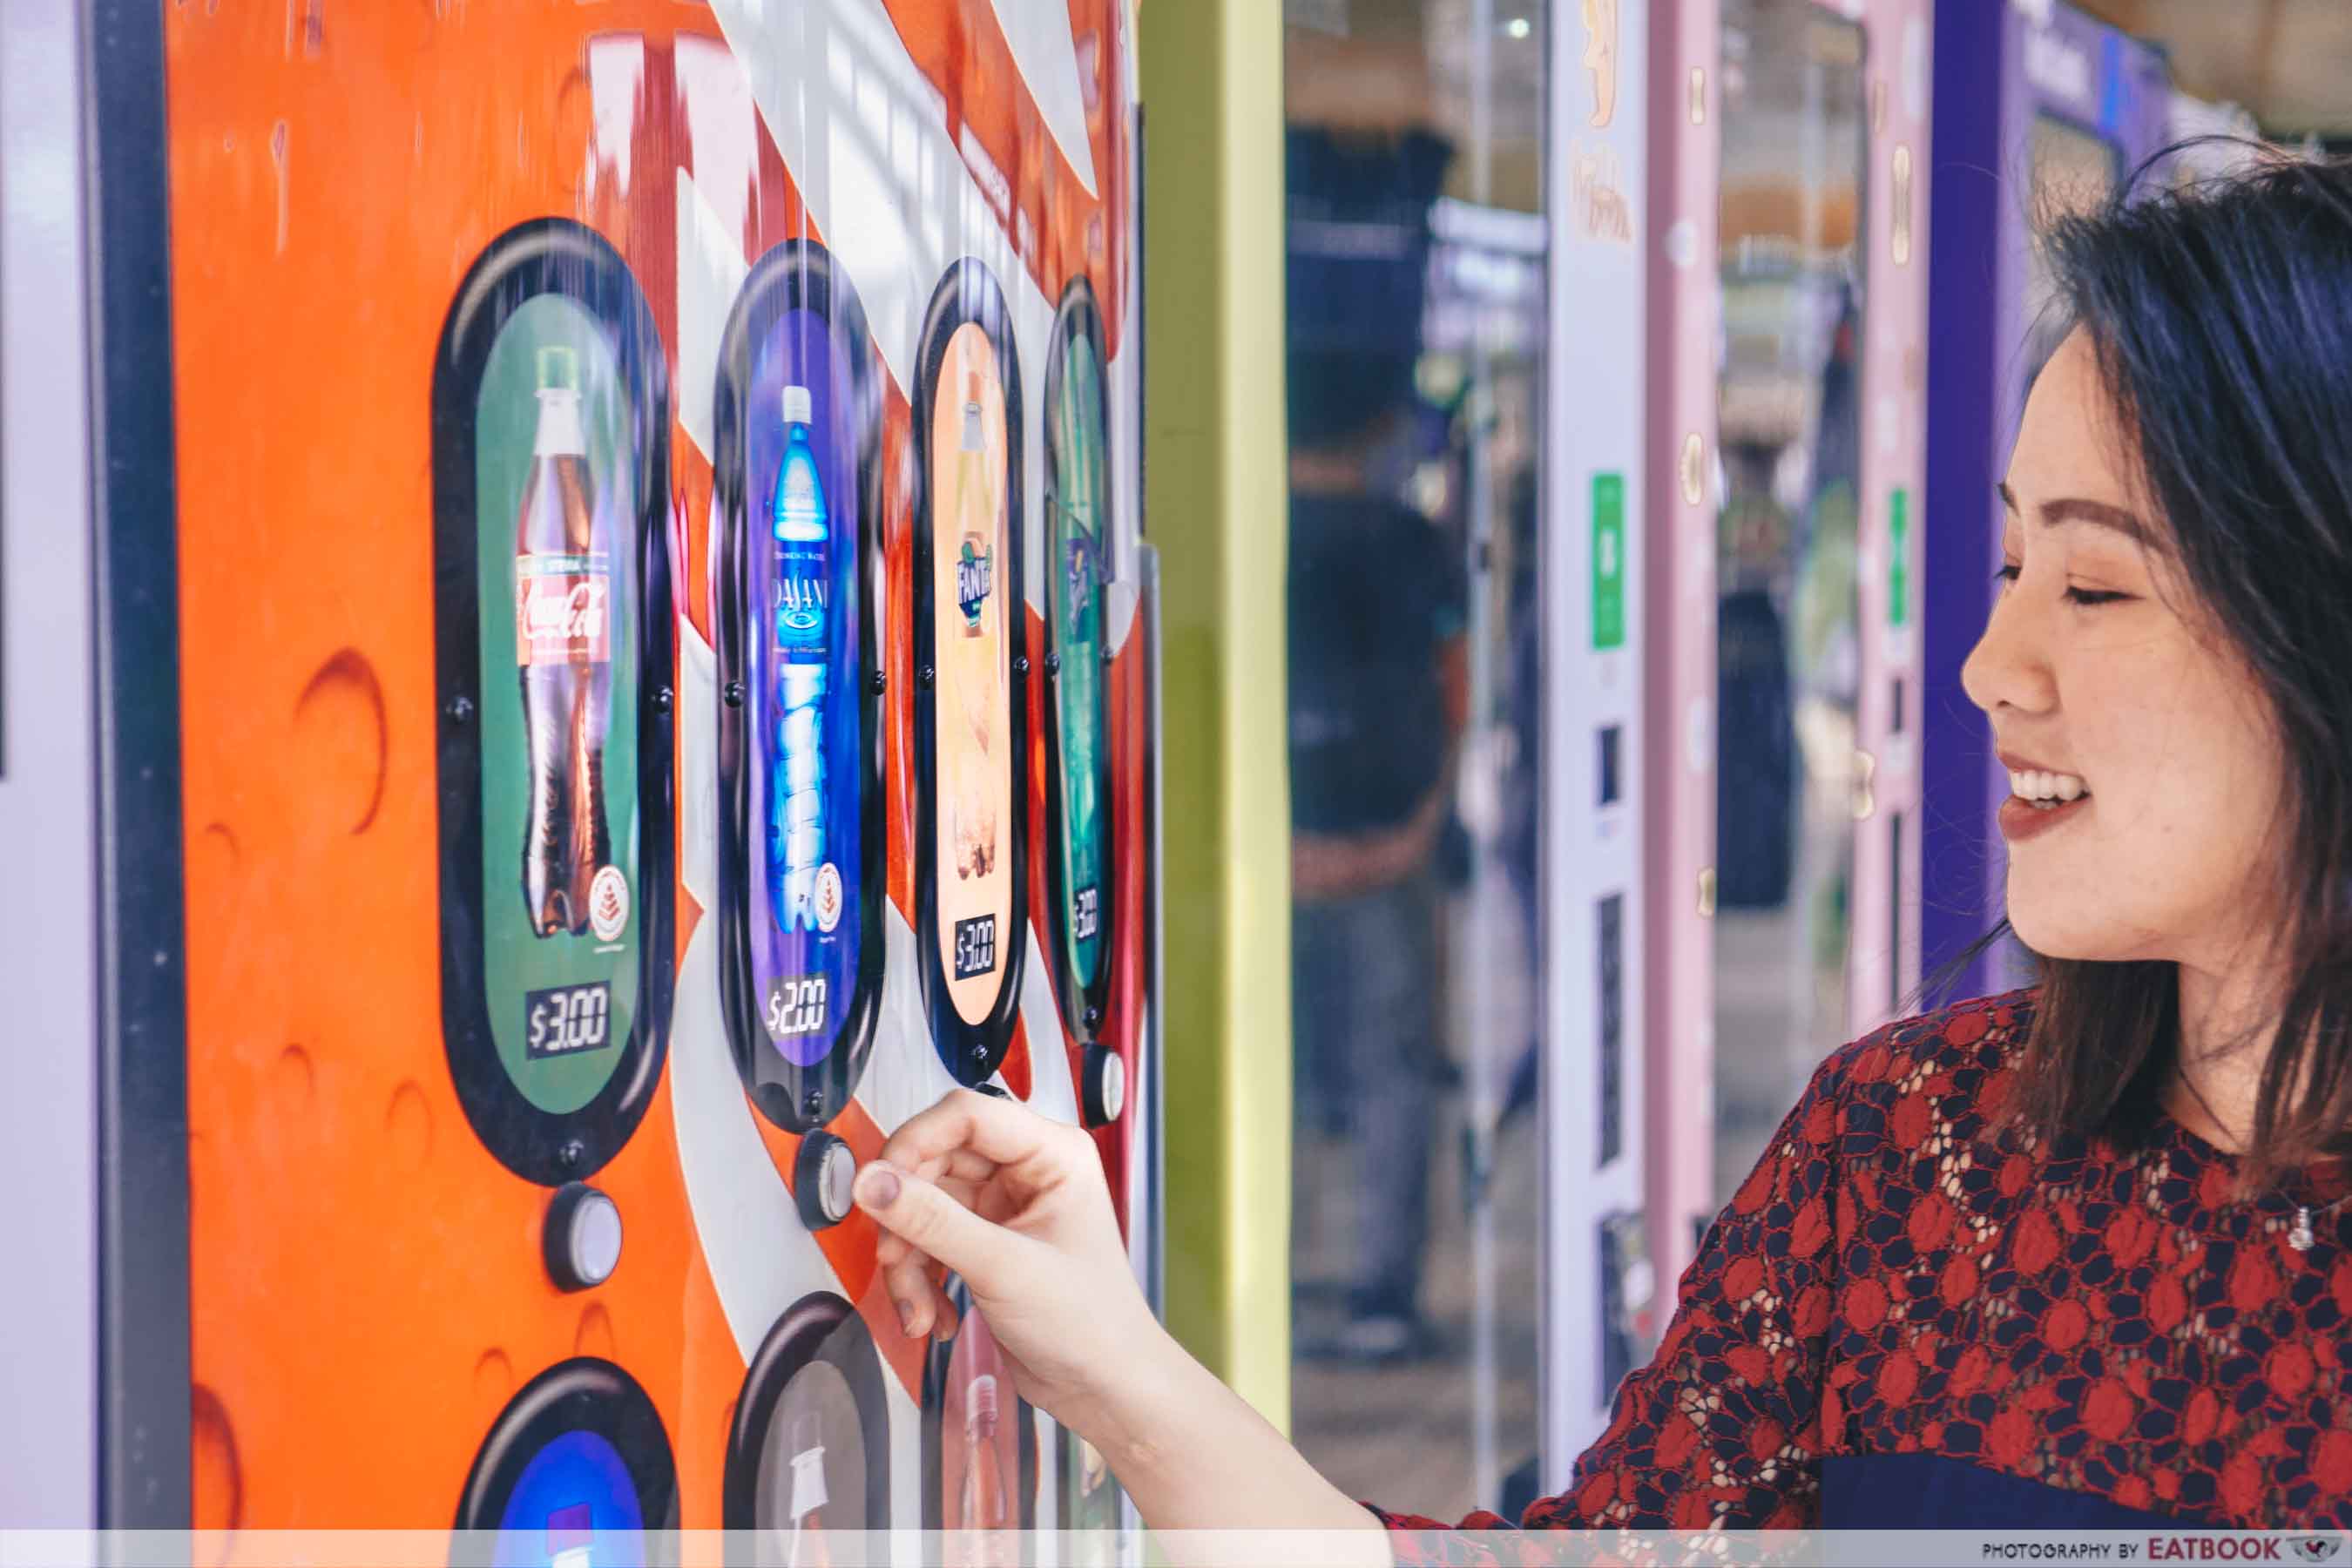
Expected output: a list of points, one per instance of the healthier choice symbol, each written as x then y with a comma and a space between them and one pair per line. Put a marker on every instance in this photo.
608, 904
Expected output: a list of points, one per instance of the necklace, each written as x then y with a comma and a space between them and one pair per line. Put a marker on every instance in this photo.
2299, 1235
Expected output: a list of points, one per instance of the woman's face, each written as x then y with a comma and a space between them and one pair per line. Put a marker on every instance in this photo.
2113, 694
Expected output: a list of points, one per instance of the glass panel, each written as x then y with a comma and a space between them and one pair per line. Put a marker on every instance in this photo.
1417, 328
1788, 628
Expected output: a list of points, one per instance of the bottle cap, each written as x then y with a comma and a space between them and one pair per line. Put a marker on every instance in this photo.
558, 368
982, 1400
799, 407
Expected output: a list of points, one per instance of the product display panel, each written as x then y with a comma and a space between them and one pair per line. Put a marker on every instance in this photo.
1078, 795
576, 1470
550, 422
970, 640
800, 862
809, 1451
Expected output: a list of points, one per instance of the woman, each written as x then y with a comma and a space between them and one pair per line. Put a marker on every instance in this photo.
2077, 1256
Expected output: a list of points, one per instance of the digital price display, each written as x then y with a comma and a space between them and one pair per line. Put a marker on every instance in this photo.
565, 1020
796, 1008
975, 946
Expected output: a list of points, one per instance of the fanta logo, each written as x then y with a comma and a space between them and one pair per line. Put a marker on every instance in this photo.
975, 580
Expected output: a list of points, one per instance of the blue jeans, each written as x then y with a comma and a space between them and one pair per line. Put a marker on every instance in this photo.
1364, 1023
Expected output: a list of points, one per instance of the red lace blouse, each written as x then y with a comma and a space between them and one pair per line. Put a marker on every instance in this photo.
2059, 1336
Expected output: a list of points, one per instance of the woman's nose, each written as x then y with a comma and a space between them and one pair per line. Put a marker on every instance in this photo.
2009, 666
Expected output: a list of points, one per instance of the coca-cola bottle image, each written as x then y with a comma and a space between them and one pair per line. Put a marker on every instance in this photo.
564, 580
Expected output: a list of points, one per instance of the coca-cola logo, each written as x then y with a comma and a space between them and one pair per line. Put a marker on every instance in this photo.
575, 614
563, 615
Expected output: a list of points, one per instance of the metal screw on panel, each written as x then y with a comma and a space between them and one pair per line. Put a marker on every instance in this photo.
1053, 664
461, 710
980, 1053
812, 1103
924, 676
1021, 665
1094, 1018
661, 699
734, 694
573, 1155
877, 683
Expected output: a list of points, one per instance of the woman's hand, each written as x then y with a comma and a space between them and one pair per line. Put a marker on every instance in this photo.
1015, 1204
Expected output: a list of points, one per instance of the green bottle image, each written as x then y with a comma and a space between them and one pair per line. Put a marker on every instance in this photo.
1074, 588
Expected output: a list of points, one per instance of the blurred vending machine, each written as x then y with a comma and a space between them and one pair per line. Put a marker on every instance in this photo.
622, 669
2041, 109
1599, 593
1787, 348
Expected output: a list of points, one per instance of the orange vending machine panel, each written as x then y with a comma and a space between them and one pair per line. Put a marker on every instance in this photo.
663, 674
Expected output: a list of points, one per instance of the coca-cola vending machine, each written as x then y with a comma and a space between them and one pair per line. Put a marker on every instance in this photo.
625, 651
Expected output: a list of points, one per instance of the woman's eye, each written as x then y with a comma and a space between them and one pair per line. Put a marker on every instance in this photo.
2008, 571
2087, 596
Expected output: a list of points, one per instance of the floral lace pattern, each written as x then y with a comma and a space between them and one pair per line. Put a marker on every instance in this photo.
1892, 1279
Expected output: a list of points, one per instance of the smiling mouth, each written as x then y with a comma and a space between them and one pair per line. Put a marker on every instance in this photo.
2046, 790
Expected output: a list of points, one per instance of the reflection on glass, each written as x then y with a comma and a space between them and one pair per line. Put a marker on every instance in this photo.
1788, 645
1416, 329
2073, 171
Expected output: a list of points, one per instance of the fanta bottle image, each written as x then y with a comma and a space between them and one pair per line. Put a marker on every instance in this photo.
563, 647
974, 648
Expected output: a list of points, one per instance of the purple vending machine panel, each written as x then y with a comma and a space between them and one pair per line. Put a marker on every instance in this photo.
2074, 106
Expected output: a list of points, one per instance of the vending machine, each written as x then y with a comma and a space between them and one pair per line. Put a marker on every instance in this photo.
625, 670
1788, 343
1600, 581
2039, 108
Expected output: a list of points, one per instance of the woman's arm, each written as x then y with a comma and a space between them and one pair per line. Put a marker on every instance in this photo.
1724, 1428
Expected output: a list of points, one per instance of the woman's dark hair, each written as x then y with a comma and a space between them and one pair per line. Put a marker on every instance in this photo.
2220, 314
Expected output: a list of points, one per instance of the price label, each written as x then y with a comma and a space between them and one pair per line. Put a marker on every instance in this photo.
796, 1008
567, 1020
975, 946
1085, 913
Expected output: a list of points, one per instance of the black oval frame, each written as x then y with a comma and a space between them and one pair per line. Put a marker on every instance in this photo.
547, 256
796, 275
935, 1385
1077, 318
818, 1327
584, 1394
969, 294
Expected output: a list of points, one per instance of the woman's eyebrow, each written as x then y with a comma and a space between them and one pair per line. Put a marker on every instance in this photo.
2076, 509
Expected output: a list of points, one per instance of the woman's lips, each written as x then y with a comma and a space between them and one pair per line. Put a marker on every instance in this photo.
2022, 819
